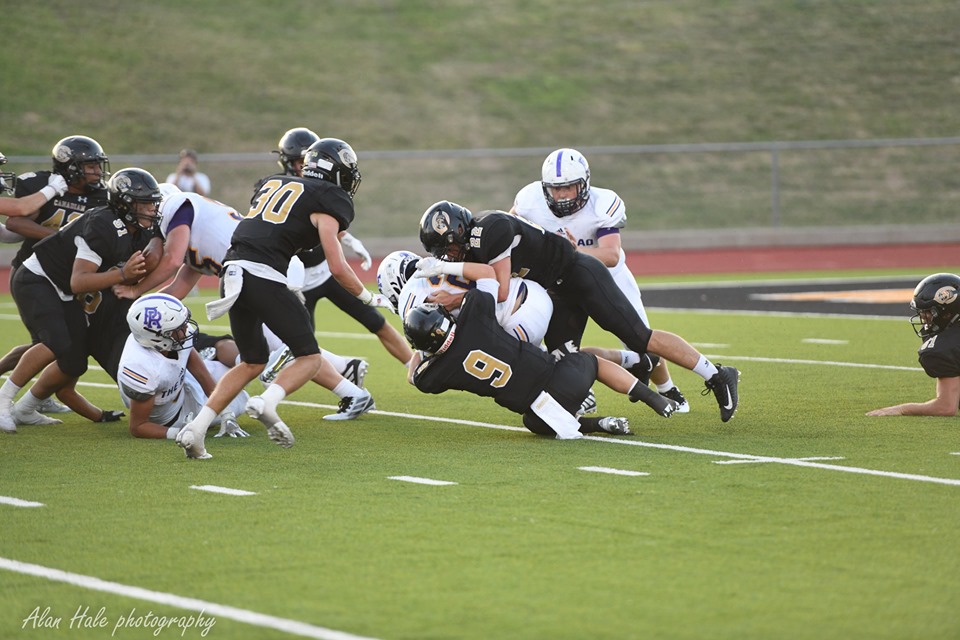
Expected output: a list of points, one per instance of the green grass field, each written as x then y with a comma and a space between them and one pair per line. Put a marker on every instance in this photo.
800, 518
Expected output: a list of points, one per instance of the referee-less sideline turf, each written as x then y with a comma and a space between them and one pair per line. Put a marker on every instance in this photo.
525, 544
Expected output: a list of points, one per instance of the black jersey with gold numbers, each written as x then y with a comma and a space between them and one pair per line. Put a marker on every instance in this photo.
536, 254
57, 212
278, 225
106, 234
940, 355
486, 360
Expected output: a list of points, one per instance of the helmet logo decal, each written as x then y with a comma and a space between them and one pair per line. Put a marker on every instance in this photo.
441, 222
945, 295
151, 318
347, 156
122, 182
62, 153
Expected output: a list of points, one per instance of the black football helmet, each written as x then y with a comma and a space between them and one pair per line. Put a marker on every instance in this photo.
71, 153
445, 230
131, 186
7, 178
938, 294
292, 146
429, 328
332, 160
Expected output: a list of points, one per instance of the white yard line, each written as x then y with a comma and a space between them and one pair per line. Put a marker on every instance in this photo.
212, 488
416, 480
708, 452
17, 502
616, 472
201, 607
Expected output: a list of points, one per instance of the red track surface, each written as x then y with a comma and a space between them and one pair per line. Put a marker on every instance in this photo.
746, 260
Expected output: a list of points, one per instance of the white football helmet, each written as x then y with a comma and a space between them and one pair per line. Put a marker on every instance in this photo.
393, 272
562, 168
160, 321
168, 189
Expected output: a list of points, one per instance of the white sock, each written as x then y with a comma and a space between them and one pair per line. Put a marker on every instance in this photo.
273, 395
339, 362
629, 358
29, 402
705, 369
203, 419
347, 389
9, 391
666, 386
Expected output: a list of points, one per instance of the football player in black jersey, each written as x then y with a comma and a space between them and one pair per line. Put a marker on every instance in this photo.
290, 214
515, 247
82, 163
290, 152
936, 320
93, 252
26, 205
473, 353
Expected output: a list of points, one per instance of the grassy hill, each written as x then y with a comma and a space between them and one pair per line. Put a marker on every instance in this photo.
150, 78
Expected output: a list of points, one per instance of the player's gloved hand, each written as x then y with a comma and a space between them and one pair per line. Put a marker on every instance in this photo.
111, 416
230, 427
376, 300
429, 267
58, 183
357, 247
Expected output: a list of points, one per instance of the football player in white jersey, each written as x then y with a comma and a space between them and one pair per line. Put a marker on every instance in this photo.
197, 232
563, 202
525, 313
162, 379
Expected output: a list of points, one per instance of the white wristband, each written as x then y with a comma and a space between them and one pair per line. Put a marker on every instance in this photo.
49, 192
453, 268
365, 296
172, 433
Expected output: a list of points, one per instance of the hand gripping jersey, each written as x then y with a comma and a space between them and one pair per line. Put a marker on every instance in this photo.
525, 313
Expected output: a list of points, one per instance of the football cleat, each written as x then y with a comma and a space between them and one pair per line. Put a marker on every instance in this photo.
674, 394
22, 415
192, 444
281, 434
356, 371
7, 423
661, 404
278, 360
724, 384
616, 426
589, 404
351, 408
50, 405
642, 370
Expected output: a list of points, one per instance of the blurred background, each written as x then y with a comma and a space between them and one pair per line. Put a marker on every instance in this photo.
740, 122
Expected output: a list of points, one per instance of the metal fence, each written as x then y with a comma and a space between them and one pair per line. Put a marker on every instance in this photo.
714, 192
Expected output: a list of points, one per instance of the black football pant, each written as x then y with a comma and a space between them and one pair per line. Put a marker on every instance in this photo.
588, 290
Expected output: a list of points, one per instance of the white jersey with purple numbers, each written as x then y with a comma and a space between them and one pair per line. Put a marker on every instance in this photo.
176, 393
603, 210
525, 313
210, 233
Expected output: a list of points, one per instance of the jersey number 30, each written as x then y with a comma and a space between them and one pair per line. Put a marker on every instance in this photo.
275, 200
